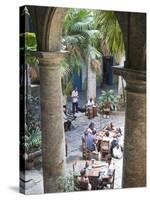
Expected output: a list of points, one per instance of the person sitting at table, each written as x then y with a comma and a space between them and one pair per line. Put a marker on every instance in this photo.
110, 127
68, 118
67, 124
92, 128
83, 181
107, 177
106, 137
117, 152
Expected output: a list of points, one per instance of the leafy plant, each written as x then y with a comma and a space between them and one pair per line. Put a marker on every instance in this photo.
107, 98
65, 182
32, 137
33, 100
81, 38
66, 80
111, 37
28, 45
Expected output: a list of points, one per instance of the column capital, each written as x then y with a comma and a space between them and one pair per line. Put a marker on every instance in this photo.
136, 80
50, 58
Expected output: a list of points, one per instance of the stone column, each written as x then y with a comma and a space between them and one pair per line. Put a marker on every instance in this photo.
134, 162
53, 139
91, 81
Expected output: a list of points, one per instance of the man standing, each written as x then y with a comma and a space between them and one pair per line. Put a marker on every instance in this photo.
75, 97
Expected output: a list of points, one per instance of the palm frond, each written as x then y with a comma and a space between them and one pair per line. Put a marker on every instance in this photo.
107, 23
65, 68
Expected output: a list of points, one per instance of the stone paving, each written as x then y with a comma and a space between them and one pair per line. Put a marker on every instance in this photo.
35, 183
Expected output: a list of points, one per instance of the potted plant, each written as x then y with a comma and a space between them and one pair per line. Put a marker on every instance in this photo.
31, 142
107, 101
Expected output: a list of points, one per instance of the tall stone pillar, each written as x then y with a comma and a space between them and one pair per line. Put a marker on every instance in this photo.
91, 81
53, 139
134, 162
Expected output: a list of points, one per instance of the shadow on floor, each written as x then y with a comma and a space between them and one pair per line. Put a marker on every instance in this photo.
14, 188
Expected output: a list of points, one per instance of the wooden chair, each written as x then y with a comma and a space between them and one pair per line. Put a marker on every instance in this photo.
104, 149
90, 112
94, 111
80, 185
109, 183
87, 155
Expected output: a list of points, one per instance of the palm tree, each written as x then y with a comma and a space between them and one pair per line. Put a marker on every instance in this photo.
66, 81
111, 38
80, 38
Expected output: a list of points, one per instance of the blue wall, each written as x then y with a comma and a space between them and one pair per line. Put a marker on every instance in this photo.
77, 80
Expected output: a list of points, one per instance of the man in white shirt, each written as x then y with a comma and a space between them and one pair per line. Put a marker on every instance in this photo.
75, 97
90, 103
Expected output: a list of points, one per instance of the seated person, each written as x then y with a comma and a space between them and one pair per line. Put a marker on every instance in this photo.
110, 127
117, 152
91, 142
119, 132
107, 137
90, 103
114, 143
68, 118
84, 179
107, 176
67, 123
92, 128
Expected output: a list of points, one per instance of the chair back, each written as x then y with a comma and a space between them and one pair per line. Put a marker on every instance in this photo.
109, 182
80, 185
104, 146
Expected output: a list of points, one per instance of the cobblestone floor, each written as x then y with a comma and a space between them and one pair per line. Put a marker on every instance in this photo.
35, 185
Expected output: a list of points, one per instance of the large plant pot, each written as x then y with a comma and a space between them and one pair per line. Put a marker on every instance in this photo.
106, 111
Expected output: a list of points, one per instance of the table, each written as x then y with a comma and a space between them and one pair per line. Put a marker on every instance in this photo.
93, 171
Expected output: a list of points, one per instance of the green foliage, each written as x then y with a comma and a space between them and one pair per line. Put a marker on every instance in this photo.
30, 42
110, 33
28, 45
80, 37
107, 98
64, 68
66, 81
66, 182
32, 138
68, 88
